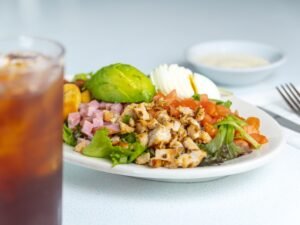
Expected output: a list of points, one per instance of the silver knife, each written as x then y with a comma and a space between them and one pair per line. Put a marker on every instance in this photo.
283, 121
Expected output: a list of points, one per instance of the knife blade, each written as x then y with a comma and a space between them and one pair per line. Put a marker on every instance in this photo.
283, 121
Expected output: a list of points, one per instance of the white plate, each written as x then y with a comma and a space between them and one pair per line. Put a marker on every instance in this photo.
256, 159
235, 76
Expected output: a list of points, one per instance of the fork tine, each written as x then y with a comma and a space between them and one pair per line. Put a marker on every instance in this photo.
293, 93
287, 100
290, 97
295, 89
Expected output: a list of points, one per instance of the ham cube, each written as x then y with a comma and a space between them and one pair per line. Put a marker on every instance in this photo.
97, 119
94, 104
91, 110
116, 108
87, 128
73, 119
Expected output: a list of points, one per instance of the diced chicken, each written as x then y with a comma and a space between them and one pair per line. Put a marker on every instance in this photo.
189, 144
163, 117
131, 122
141, 112
141, 126
200, 113
128, 110
73, 119
176, 125
182, 133
192, 159
158, 136
109, 116
184, 120
123, 144
143, 158
143, 138
81, 145
155, 163
115, 140
125, 128
194, 131
175, 144
165, 154
193, 122
186, 111
205, 137
152, 124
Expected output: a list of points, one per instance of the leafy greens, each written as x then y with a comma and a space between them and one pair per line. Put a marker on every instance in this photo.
101, 147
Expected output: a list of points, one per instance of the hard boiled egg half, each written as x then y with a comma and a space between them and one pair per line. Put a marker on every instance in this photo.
167, 78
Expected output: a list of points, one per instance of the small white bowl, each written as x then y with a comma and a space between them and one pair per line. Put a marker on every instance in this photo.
235, 76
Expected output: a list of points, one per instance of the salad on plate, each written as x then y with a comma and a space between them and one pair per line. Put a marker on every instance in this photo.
173, 118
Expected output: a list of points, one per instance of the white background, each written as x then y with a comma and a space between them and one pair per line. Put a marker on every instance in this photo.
145, 34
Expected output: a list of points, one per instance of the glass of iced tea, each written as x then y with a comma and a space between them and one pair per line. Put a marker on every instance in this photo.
31, 96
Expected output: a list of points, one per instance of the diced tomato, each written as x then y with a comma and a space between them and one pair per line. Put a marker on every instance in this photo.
189, 102
210, 108
250, 129
203, 98
253, 121
172, 96
159, 95
242, 143
210, 129
261, 139
175, 103
222, 110
174, 112
207, 119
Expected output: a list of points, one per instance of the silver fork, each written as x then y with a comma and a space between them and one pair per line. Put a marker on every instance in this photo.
291, 96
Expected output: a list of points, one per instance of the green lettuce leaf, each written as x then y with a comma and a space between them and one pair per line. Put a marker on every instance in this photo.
101, 147
68, 136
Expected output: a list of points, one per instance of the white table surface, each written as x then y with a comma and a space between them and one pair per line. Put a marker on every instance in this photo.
145, 34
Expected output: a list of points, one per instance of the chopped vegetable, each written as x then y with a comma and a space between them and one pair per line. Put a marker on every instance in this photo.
82, 76
72, 99
129, 137
127, 155
101, 147
121, 83
236, 123
85, 96
126, 119
68, 136
196, 97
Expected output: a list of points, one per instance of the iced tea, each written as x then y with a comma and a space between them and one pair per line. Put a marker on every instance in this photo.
30, 139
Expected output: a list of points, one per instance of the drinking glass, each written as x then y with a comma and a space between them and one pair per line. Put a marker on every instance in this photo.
31, 100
